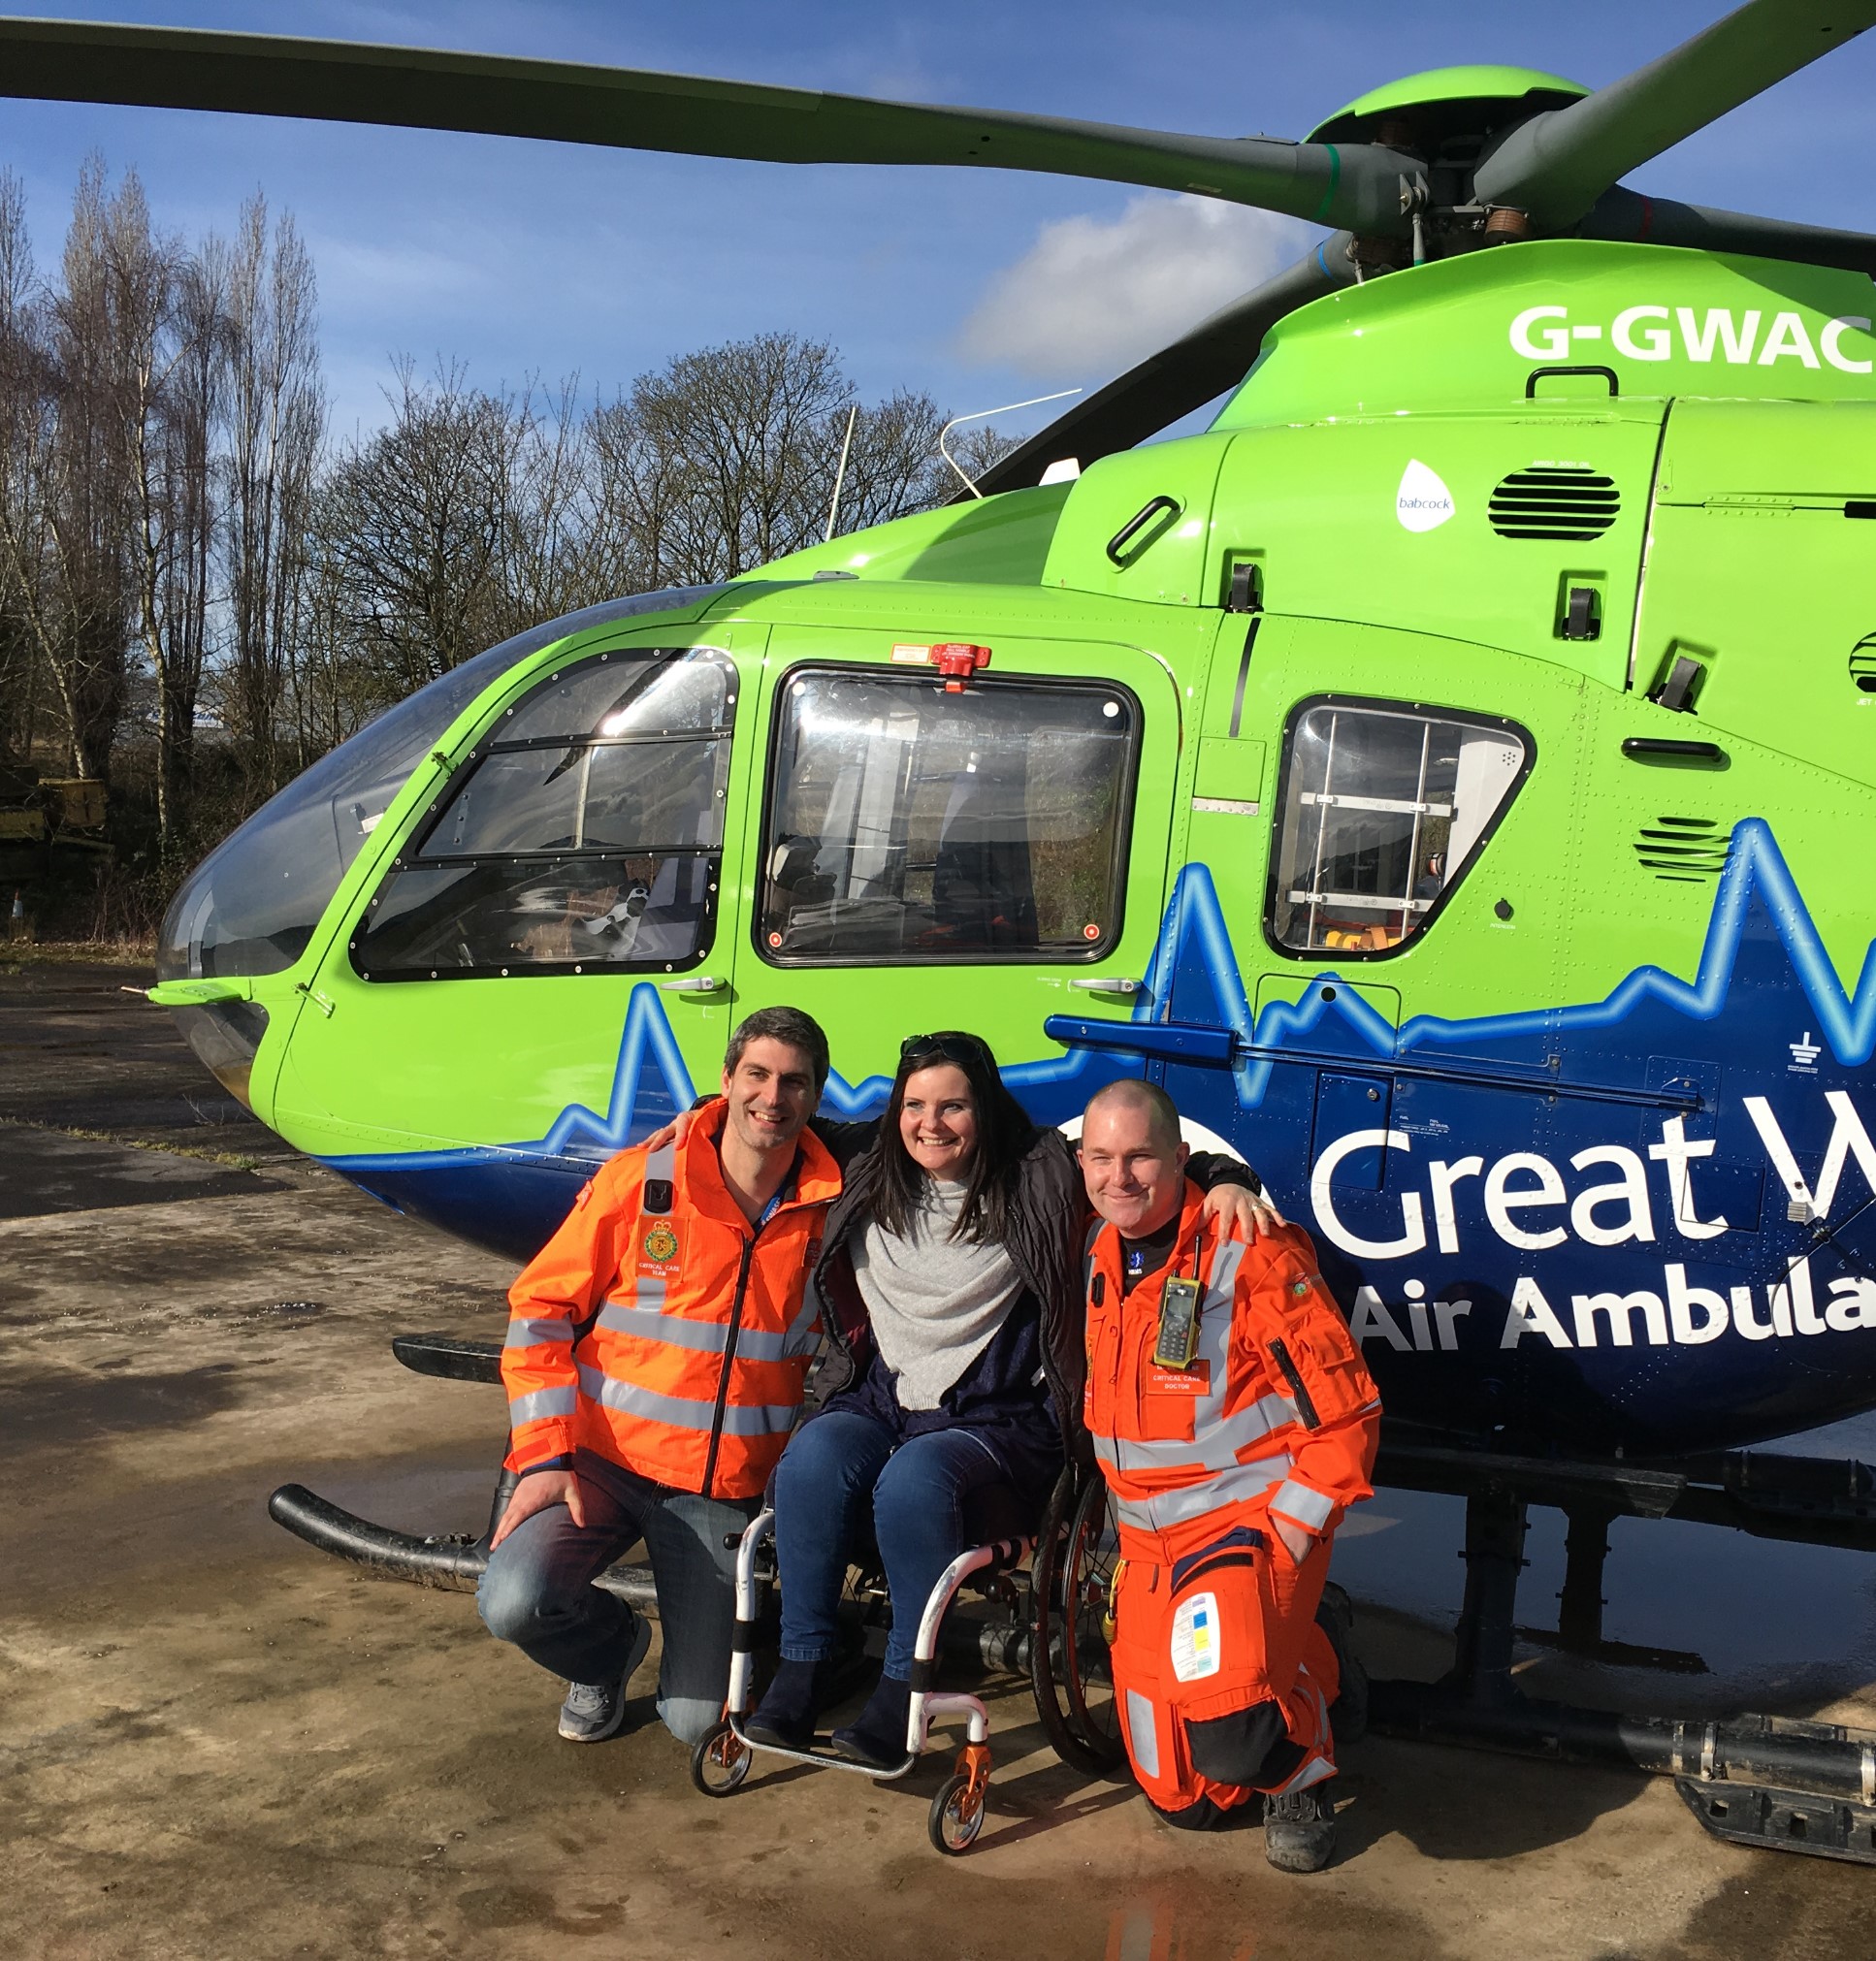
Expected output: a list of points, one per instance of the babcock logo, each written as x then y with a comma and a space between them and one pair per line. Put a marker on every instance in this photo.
1750, 338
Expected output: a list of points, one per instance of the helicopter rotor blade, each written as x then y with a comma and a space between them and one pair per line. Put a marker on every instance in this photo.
1180, 377
1625, 216
1357, 185
1555, 167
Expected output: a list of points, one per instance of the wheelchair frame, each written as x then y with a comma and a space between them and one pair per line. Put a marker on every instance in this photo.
722, 1759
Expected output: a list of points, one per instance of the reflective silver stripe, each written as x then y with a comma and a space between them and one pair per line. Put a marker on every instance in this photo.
1221, 1442
709, 1338
541, 1402
1308, 1507
661, 1164
1216, 1447
804, 1331
1223, 1285
652, 1323
532, 1334
1141, 1737
683, 1412
1194, 1501
800, 1340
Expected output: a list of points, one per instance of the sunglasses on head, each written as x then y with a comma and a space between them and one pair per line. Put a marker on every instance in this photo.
953, 1046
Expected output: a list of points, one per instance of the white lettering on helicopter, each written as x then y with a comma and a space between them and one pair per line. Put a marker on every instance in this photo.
1648, 333
1676, 1316
1610, 1212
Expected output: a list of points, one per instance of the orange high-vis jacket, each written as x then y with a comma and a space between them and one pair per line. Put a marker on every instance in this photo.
661, 1330
1276, 1414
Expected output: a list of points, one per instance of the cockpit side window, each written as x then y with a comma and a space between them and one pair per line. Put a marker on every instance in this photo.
1382, 810
585, 835
911, 826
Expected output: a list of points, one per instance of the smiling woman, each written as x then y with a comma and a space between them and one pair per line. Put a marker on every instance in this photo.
943, 1253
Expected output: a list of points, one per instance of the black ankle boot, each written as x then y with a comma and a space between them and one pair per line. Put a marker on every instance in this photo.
785, 1717
875, 1737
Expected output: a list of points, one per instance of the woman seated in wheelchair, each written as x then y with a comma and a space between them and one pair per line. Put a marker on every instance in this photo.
951, 1278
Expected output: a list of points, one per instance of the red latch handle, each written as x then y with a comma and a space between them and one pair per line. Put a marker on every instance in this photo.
957, 660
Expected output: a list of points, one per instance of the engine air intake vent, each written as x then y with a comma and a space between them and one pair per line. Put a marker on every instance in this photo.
1684, 850
1554, 501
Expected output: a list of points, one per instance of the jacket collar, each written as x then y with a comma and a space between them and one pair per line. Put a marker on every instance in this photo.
814, 1181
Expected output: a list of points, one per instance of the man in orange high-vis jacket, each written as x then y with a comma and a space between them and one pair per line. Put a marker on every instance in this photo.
656, 1350
1235, 1422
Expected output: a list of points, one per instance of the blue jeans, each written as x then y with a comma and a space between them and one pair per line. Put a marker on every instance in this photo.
537, 1591
832, 1470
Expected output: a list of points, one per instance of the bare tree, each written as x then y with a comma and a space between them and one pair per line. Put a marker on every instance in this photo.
24, 393
727, 458
415, 522
172, 307
65, 526
275, 426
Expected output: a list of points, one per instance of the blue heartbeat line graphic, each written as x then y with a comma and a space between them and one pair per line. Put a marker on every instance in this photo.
651, 1082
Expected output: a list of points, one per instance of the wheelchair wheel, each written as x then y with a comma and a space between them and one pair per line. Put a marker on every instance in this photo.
720, 1762
1069, 1667
957, 1817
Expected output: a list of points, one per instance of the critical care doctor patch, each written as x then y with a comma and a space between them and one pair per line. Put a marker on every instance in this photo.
1195, 1637
661, 1243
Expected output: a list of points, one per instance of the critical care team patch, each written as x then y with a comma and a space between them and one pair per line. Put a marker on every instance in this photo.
1195, 1637
661, 1243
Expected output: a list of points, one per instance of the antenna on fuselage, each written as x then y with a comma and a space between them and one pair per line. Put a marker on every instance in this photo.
840, 476
982, 414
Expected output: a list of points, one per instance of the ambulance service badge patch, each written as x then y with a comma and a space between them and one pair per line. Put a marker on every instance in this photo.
1195, 1637
661, 1243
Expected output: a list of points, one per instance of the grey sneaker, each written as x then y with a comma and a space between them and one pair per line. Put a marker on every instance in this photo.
593, 1709
1299, 1828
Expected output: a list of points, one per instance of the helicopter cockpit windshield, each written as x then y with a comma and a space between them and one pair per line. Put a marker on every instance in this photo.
587, 830
250, 907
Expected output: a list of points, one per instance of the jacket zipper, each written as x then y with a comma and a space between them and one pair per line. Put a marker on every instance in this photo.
1305, 1407
728, 1359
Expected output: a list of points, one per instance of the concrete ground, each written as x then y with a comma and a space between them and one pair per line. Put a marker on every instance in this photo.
216, 1742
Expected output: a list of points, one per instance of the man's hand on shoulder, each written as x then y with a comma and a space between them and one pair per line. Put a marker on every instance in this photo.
678, 1129
1241, 1214
536, 1491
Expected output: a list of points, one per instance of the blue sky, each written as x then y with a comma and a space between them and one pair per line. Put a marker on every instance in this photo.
527, 258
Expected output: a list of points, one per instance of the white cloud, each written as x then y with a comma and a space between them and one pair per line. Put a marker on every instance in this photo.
1093, 295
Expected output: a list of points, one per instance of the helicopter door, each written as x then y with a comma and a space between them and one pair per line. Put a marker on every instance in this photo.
926, 858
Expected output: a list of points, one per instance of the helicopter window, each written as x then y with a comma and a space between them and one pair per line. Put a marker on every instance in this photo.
1382, 810
586, 833
906, 824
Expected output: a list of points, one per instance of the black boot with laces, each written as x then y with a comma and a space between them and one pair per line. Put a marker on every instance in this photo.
1299, 1828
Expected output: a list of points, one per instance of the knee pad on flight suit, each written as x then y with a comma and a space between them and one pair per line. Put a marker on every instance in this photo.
1250, 1747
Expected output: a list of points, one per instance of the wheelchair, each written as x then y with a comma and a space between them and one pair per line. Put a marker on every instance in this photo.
1047, 1585
1047, 1592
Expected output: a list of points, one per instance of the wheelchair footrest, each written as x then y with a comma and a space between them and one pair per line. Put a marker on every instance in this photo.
823, 1757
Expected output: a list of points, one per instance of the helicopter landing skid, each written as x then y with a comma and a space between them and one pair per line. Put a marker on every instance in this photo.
1753, 1779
